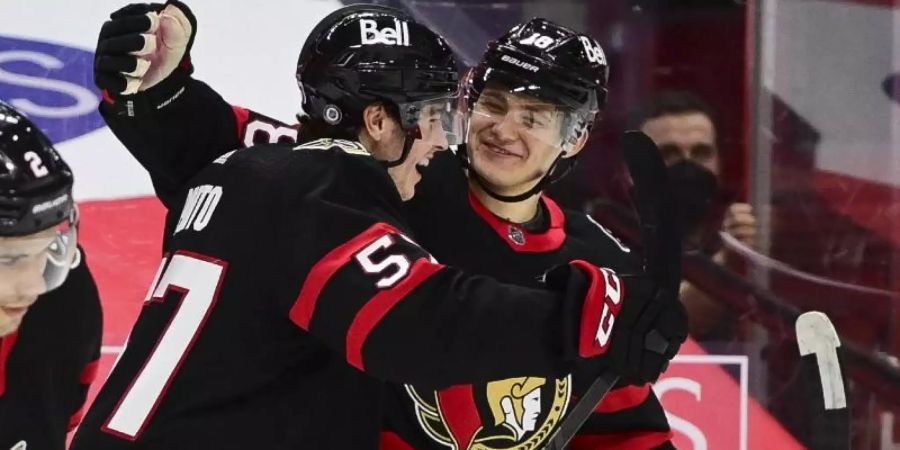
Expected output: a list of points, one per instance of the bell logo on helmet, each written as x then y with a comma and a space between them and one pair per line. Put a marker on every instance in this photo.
593, 51
370, 34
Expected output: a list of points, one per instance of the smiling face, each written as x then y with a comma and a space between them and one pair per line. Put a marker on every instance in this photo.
433, 139
513, 139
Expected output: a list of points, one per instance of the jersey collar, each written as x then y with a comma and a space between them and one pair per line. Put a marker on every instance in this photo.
520, 239
6, 345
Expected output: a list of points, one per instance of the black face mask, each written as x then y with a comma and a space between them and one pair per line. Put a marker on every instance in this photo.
694, 188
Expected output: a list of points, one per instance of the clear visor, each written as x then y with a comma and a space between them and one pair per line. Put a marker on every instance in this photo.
39, 262
439, 120
519, 113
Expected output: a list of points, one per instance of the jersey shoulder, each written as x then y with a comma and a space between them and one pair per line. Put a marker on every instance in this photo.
278, 176
295, 164
343, 169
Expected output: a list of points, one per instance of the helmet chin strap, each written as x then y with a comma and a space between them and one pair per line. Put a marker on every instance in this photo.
550, 177
410, 137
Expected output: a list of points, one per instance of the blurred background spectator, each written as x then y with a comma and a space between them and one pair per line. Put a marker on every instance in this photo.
683, 127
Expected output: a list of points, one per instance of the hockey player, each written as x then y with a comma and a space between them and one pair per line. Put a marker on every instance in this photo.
283, 266
50, 317
531, 103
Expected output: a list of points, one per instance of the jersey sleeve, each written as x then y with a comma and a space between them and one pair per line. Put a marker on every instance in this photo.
371, 294
178, 138
381, 301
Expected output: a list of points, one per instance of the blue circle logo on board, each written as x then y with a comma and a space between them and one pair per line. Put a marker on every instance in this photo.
52, 84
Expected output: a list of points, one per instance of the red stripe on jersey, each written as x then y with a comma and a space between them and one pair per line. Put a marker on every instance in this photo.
75, 419
305, 305
379, 305
241, 116
393, 441
624, 398
89, 373
630, 440
6, 345
107, 98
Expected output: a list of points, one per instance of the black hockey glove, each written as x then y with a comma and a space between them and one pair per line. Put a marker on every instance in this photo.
626, 322
143, 56
642, 323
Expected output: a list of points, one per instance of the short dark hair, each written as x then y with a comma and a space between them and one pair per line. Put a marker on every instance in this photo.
673, 102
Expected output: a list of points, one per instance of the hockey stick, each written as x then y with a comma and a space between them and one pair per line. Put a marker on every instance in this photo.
582, 410
819, 346
662, 261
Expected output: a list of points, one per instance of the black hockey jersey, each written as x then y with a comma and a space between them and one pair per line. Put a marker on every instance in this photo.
47, 365
519, 412
288, 274
201, 125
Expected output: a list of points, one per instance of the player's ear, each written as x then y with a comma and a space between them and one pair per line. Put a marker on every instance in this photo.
375, 120
578, 145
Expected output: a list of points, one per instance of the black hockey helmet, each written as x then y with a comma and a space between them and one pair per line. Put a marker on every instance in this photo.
36, 193
545, 60
361, 54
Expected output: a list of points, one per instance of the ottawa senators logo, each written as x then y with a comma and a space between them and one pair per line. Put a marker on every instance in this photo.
512, 414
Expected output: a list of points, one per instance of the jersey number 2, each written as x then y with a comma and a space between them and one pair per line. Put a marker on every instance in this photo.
198, 279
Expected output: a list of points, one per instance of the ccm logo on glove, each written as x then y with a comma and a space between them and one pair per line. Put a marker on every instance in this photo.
603, 303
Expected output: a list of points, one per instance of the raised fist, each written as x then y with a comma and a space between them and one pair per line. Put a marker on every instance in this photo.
142, 45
